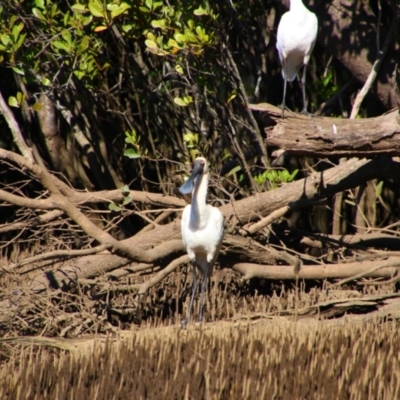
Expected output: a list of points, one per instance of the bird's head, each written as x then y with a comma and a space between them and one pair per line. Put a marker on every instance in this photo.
200, 167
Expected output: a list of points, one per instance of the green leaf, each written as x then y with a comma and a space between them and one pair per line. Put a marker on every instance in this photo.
13, 102
378, 189
234, 170
5, 39
158, 23
79, 8
38, 14
173, 43
83, 45
231, 97
191, 37
149, 4
127, 200
96, 9
46, 82
132, 153
200, 31
40, 3
127, 27
200, 11
67, 36
37, 106
180, 102
114, 207
60, 45
19, 71
293, 175
79, 74
150, 44
120, 10
192, 138
20, 97
180, 38
125, 190
179, 69
151, 36
19, 42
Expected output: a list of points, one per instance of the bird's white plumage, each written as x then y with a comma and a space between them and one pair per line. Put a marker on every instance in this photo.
202, 233
202, 228
297, 33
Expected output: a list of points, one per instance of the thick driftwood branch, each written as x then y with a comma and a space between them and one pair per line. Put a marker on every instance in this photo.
316, 186
333, 137
375, 240
381, 268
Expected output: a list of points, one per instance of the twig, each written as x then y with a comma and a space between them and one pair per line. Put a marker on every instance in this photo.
51, 255
144, 287
374, 72
39, 220
256, 130
15, 131
275, 215
391, 263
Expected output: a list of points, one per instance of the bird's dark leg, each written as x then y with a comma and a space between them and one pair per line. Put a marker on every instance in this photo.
283, 105
194, 288
303, 89
203, 291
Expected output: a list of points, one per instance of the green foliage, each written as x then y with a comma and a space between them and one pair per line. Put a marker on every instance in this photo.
127, 200
192, 144
132, 138
325, 87
175, 30
276, 177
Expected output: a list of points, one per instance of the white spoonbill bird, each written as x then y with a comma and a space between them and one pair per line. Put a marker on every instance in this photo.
202, 230
297, 33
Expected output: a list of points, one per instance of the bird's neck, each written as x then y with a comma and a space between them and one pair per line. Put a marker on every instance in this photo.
296, 5
200, 195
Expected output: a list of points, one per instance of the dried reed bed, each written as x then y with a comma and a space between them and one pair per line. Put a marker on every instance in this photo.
266, 360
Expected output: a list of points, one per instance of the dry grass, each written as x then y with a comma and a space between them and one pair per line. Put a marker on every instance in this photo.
243, 351
268, 359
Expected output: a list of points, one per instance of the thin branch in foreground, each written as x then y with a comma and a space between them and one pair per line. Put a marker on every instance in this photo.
15, 131
57, 254
374, 72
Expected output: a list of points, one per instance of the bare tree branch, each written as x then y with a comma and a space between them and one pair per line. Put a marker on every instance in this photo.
16, 132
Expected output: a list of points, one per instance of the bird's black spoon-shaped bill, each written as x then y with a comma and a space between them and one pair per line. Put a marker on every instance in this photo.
188, 186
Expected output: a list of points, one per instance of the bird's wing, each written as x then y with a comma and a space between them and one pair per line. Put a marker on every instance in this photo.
280, 37
185, 223
313, 31
219, 221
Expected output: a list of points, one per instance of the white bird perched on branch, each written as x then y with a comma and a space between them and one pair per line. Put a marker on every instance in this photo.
202, 229
297, 33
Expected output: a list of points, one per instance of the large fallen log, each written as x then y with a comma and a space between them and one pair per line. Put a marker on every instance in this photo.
387, 268
301, 135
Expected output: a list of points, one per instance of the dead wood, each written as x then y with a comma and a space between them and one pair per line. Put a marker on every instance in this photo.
371, 268
368, 240
333, 137
164, 240
313, 188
